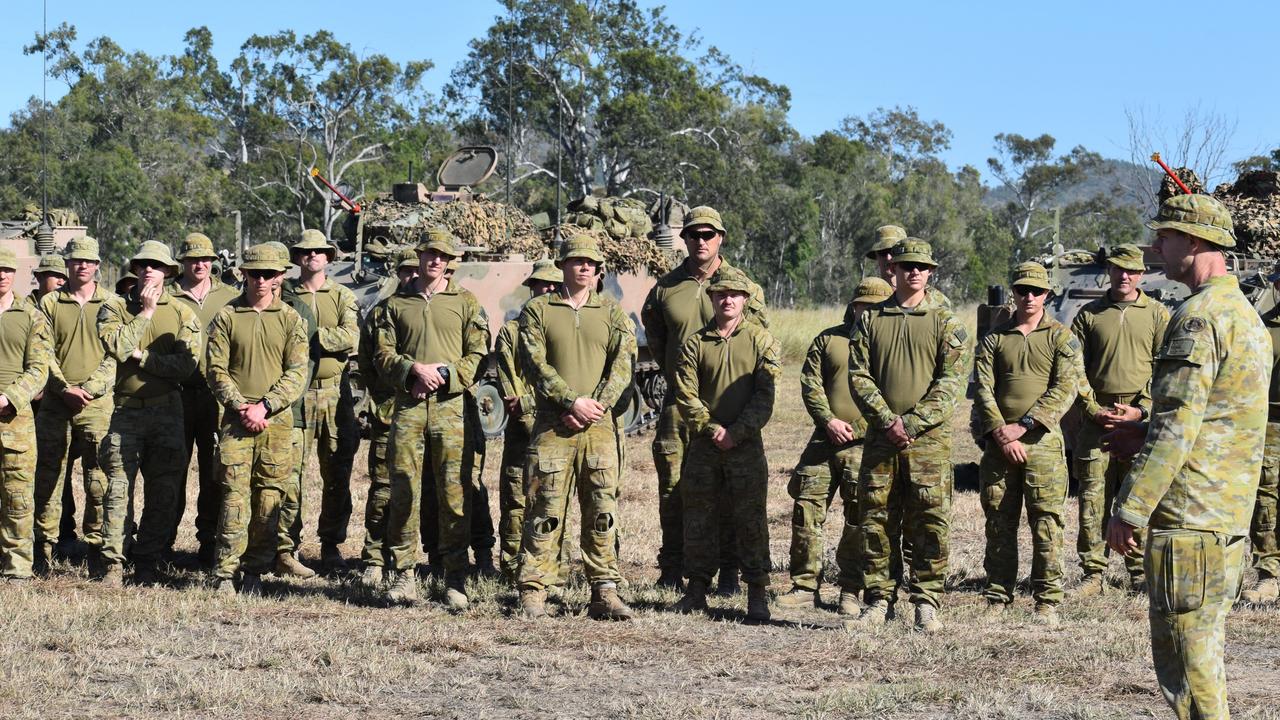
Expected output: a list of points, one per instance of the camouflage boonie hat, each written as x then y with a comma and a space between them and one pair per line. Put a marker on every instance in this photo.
155, 252
9, 259
544, 271
583, 246
407, 259
263, 257
453, 265
281, 251
887, 238
702, 215
872, 290
82, 248
1127, 256
126, 275
731, 280
51, 263
1030, 274
195, 246
314, 240
440, 240
1198, 215
913, 250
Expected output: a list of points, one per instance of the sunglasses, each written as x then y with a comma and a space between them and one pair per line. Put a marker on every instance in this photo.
260, 274
1032, 291
703, 235
914, 267
151, 264
311, 251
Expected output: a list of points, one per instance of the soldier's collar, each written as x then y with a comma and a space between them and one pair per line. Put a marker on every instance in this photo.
1226, 281
296, 285
100, 293
1141, 301
593, 298
1047, 321
892, 306
242, 304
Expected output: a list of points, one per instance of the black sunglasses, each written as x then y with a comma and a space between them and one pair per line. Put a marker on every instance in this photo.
701, 235
1033, 291
154, 265
261, 274
909, 266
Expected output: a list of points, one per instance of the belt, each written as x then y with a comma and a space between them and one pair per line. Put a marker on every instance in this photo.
157, 401
1109, 398
326, 382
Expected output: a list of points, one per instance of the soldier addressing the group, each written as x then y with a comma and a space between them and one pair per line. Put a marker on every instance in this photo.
431, 339
1264, 535
154, 340
25, 352
199, 288
726, 376
830, 461
77, 405
1027, 379
1193, 480
909, 358
674, 310
576, 349
256, 366
1119, 336
328, 405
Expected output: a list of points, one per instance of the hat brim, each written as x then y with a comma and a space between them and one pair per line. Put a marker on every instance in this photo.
197, 255
1032, 282
85, 257
871, 299
684, 231
588, 254
171, 268
880, 246
46, 271
914, 258
438, 248
264, 265
1132, 266
1216, 235
542, 277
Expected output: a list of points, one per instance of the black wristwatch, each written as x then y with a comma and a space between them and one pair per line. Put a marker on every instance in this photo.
1143, 414
1027, 422
444, 373
266, 405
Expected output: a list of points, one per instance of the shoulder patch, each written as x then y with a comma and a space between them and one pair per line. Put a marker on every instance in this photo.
1179, 347
1194, 324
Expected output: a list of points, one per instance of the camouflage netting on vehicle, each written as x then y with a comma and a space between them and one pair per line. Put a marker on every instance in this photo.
622, 255
1254, 202
481, 222
619, 217
58, 216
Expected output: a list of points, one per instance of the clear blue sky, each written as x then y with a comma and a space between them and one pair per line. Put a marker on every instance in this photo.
981, 68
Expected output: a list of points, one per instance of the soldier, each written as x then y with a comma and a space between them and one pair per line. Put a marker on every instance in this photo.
329, 409
25, 351
909, 358
519, 400
51, 275
676, 308
888, 237
576, 350
255, 366
77, 404
830, 461
431, 339
1263, 534
1194, 479
154, 340
725, 380
199, 288
1026, 373
1119, 335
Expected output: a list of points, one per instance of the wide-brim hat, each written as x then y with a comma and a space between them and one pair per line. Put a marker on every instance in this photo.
407, 259
730, 280
914, 250
702, 215
154, 251
872, 290
51, 264
314, 240
544, 271
263, 257
581, 246
82, 248
196, 246
1127, 256
887, 238
1200, 215
9, 259
1030, 274
440, 240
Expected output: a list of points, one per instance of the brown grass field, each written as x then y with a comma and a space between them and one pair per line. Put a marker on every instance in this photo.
325, 649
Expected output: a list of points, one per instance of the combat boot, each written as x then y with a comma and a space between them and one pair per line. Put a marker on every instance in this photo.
402, 588
1267, 590
96, 564
483, 567
606, 605
728, 584
1046, 614
206, 555
331, 558
875, 613
533, 603
695, 598
1090, 585
797, 597
995, 609
144, 573
251, 584
372, 576
112, 575
288, 566
455, 595
670, 578
44, 554
757, 603
850, 604
927, 618
223, 586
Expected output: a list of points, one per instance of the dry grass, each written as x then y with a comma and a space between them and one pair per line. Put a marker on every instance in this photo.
327, 649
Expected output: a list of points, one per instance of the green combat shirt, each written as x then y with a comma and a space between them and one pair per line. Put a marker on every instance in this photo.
337, 321
169, 341
301, 307
1200, 465
728, 382
1118, 344
79, 356
567, 354
1021, 375
219, 294
449, 328
381, 395
824, 379
510, 375
910, 363
25, 351
254, 356
678, 306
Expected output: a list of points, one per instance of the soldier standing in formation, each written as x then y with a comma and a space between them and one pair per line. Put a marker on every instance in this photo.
726, 375
1192, 484
1263, 536
831, 460
1026, 370
576, 350
674, 310
909, 358
888, 237
1119, 336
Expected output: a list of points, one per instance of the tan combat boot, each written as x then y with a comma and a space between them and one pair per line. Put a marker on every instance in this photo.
1090, 585
533, 603
1267, 590
757, 603
402, 588
112, 575
850, 604
927, 618
1046, 614
695, 598
288, 566
875, 613
606, 605
798, 597
455, 595
372, 576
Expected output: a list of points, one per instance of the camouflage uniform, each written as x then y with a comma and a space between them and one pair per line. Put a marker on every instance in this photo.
1263, 528
289, 534
1193, 483
908, 363
1030, 380
382, 400
25, 352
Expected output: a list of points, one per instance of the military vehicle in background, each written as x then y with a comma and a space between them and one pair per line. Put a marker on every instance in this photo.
29, 238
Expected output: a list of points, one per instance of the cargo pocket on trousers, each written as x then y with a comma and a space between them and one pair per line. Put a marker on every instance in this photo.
1182, 567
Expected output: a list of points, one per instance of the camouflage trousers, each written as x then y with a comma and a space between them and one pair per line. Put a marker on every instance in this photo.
562, 464
146, 436
670, 444
481, 533
201, 416
1193, 578
1263, 533
822, 470
375, 506
711, 479
915, 482
17, 493
56, 429
1100, 477
1041, 485
254, 470
435, 432
512, 492
330, 427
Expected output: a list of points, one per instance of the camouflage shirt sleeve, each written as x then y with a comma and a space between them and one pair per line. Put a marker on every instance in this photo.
293, 381
759, 408
387, 358
955, 354
1088, 401
757, 311
122, 336
812, 390
532, 349
102, 379
1063, 380
618, 358
345, 336
35, 363
655, 328
475, 348
865, 393
697, 416
56, 381
984, 400
217, 356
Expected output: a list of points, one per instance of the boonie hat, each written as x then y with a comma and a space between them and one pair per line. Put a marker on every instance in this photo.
544, 271
281, 251
9, 260
51, 263
263, 257
1127, 256
730, 280
155, 252
196, 245
82, 248
126, 274
913, 250
440, 240
872, 290
315, 240
1199, 215
887, 237
702, 215
406, 259
583, 246
1030, 274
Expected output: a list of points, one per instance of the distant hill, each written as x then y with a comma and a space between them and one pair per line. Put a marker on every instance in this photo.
1111, 174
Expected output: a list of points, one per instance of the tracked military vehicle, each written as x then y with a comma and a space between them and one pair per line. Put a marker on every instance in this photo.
29, 238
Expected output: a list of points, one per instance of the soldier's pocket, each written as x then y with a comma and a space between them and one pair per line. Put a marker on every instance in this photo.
17, 437
666, 448
600, 471
545, 473
1180, 560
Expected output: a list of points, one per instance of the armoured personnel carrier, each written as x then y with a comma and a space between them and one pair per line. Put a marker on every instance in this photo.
29, 238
